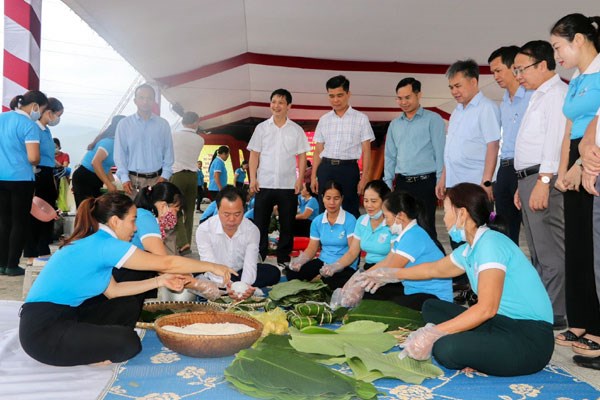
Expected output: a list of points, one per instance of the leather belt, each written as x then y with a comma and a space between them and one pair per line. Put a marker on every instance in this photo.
333, 161
415, 178
523, 173
149, 175
507, 162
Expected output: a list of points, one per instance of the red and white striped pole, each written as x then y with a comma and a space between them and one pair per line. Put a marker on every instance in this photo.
22, 38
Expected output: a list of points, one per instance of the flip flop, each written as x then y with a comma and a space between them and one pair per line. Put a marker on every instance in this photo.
592, 350
569, 338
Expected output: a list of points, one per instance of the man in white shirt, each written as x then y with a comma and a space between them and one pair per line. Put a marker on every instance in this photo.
230, 239
342, 135
537, 156
187, 145
276, 147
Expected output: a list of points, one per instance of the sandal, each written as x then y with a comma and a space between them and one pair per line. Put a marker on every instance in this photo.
592, 348
569, 338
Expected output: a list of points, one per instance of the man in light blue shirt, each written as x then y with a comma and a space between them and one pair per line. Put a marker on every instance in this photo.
513, 107
143, 145
414, 150
473, 132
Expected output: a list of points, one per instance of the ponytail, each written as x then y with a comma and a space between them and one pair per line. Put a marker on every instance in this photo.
32, 96
15, 103
475, 200
85, 223
162, 191
572, 24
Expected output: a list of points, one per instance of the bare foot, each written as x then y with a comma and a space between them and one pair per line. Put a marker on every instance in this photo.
101, 363
468, 370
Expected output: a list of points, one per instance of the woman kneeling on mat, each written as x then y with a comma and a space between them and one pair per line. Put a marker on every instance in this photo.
59, 326
509, 331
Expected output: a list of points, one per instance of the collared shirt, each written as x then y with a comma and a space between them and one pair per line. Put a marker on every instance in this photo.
209, 211
107, 146
511, 115
583, 98
217, 165
17, 130
375, 242
46, 146
415, 146
523, 294
415, 244
342, 137
278, 148
187, 145
333, 237
237, 252
241, 175
143, 146
147, 226
542, 129
311, 204
470, 129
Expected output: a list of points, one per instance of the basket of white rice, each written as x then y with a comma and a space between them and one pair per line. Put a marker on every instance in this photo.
207, 334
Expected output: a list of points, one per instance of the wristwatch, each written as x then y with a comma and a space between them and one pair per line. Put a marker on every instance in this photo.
487, 183
544, 179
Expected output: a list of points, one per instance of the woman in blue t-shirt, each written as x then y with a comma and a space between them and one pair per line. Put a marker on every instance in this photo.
94, 171
217, 171
65, 321
509, 331
19, 151
308, 209
332, 232
239, 176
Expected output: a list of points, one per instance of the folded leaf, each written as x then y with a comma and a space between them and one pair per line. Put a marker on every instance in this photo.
293, 287
387, 312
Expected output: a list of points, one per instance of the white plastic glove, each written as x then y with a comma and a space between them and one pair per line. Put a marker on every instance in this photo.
352, 292
328, 270
419, 344
299, 261
205, 288
373, 279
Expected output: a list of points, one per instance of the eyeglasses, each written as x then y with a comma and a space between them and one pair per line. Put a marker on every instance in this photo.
519, 71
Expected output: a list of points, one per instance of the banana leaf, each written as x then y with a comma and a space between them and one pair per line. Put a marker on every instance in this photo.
297, 291
387, 312
368, 366
283, 343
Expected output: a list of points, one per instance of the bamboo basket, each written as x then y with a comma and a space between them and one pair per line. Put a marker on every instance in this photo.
155, 306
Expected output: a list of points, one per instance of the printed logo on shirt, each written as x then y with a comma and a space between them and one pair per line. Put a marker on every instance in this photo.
382, 237
342, 234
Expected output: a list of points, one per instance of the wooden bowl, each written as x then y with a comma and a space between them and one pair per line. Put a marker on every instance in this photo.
207, 346
192, 306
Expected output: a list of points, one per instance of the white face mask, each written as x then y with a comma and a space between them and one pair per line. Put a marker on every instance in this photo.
54, 122
396, 228
377, 215
35, 114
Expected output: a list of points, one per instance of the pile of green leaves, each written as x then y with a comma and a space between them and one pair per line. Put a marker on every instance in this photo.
387, 312
287, 294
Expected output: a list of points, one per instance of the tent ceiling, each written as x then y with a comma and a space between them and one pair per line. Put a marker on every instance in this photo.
222, 59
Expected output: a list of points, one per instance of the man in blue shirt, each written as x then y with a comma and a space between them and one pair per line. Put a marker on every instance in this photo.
143, 145
414, 150
513, 107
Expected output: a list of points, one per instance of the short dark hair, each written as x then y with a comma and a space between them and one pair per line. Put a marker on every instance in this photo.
244, 162
338, 81
56, 142
468, 67
54, 105
283, 93
506, 53
572, 24
144, 86
539, 50
379, 187
414, 84
189, 118
331, 185
230, 193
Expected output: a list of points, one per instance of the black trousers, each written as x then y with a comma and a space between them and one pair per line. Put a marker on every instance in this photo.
310, 270
424, 191
40, 233
266, 275
301, 227
85, 184
60, 335
347, 175
504, 193
580, 285
130, 275
199, 197
15, 205
286, 203
501, 346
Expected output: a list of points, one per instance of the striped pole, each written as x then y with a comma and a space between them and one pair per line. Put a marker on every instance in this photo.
22, 38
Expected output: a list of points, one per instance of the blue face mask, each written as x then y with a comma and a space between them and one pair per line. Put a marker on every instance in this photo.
457, 234
377, 215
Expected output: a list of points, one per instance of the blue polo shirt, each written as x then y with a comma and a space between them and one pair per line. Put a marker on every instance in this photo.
108, 146
16, 129
470, 129
333, 238
415, 244
582, 102
200, 177
241, 175
523, 294
311, 204
46, 147
511, 114
147, 226
249, 214
375, 242
210, 211
80, 270
217, 165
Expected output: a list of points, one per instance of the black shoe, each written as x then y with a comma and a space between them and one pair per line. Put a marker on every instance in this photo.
560, 323
587, 362
17, 271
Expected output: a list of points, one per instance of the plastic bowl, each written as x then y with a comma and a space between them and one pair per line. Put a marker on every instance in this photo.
41, 210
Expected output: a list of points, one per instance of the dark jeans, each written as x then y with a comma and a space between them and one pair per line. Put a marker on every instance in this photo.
504, 193
500, 346
40, 233
347, 175
15, 205
310, 270
266, 275
286, 203
85, 184
60, 335
199, 197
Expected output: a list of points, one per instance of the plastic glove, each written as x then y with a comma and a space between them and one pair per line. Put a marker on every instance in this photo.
205, 288
352, 292
373, 279
418, 345
299, 261
328, 270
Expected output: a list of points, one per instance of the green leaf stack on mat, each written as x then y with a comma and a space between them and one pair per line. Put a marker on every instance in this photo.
287, 294
389, 313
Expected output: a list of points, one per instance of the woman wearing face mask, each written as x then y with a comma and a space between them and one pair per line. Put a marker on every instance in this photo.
40, 233
576, 42
65, 321
19, 151
509, 331
94, 170
332, 231
217, 171
308, 208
